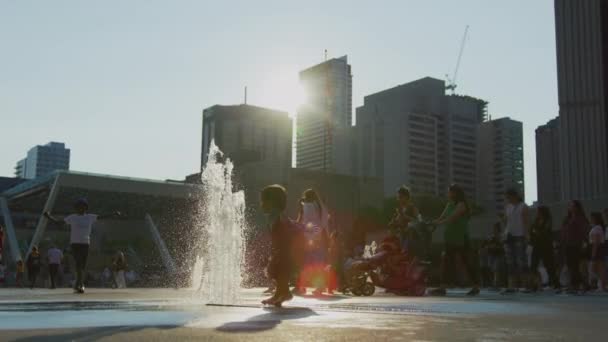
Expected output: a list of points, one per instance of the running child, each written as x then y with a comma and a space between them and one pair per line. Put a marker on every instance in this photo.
81, 224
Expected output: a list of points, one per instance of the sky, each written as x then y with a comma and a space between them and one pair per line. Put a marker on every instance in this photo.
123, 83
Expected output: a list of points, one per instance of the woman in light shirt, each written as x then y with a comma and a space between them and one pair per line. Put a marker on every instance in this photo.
313, 217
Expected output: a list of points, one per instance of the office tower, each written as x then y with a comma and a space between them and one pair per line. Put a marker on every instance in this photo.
42, 160
582, 70
548, 163
324, 121
500, 162
249, 134
415, 134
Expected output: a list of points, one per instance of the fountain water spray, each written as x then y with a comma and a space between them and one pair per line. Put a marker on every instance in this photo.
217, 270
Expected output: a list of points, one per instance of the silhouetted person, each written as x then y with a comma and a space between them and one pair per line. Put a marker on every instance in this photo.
314, 218
273, 202
516, 236
20, 273
54, 257
456, 217
81, 224
405, 213
541, 239
598, 249
119, 266
575, 230
34, 262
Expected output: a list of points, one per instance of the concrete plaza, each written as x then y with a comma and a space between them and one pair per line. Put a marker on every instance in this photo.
180, 315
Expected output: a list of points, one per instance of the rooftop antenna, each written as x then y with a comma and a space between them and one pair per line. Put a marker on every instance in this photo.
245, 94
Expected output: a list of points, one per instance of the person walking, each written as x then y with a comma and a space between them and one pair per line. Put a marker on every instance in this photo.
516, 219
81, 225
598, 249
575, 228
541, 239
456, 217
54, 257
34, 262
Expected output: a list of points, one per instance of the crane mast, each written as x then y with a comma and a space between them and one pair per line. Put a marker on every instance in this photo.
451, 82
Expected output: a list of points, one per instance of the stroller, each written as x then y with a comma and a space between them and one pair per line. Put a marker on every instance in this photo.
402, 272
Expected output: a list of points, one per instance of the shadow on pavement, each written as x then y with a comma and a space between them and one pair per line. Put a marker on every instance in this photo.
87, 334
266, 321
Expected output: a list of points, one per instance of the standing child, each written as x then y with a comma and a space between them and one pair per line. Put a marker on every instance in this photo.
81, 225
494, 256
34, 261
598, 246
273, 202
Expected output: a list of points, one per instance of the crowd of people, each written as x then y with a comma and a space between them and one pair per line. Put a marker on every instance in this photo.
305, 253
308, 253
573, 257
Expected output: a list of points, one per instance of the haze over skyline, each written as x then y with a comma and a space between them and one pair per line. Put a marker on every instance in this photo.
123, 84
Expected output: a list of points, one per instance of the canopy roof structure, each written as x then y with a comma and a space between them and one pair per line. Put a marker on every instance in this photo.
58, 191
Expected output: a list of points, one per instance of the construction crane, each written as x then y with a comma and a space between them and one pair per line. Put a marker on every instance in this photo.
451, 82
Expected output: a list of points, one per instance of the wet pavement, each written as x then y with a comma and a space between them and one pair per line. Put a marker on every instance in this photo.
167, 314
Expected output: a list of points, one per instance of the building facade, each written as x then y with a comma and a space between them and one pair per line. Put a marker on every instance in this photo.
249, 134
20, 168
548, 163
582, 69
500, 162
324, 121
42, 160
415, 134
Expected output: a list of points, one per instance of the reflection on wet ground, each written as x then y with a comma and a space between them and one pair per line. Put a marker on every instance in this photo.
408, 316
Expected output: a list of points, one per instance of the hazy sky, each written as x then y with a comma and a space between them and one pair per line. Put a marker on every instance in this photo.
123, 83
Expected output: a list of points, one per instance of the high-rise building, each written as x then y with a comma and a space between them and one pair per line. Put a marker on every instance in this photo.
415, 134
324, 121
42, 160
20, 168
548, 163
500, 162
249, 134
582, 70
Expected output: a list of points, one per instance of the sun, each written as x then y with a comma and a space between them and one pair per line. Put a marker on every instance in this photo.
282, 91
